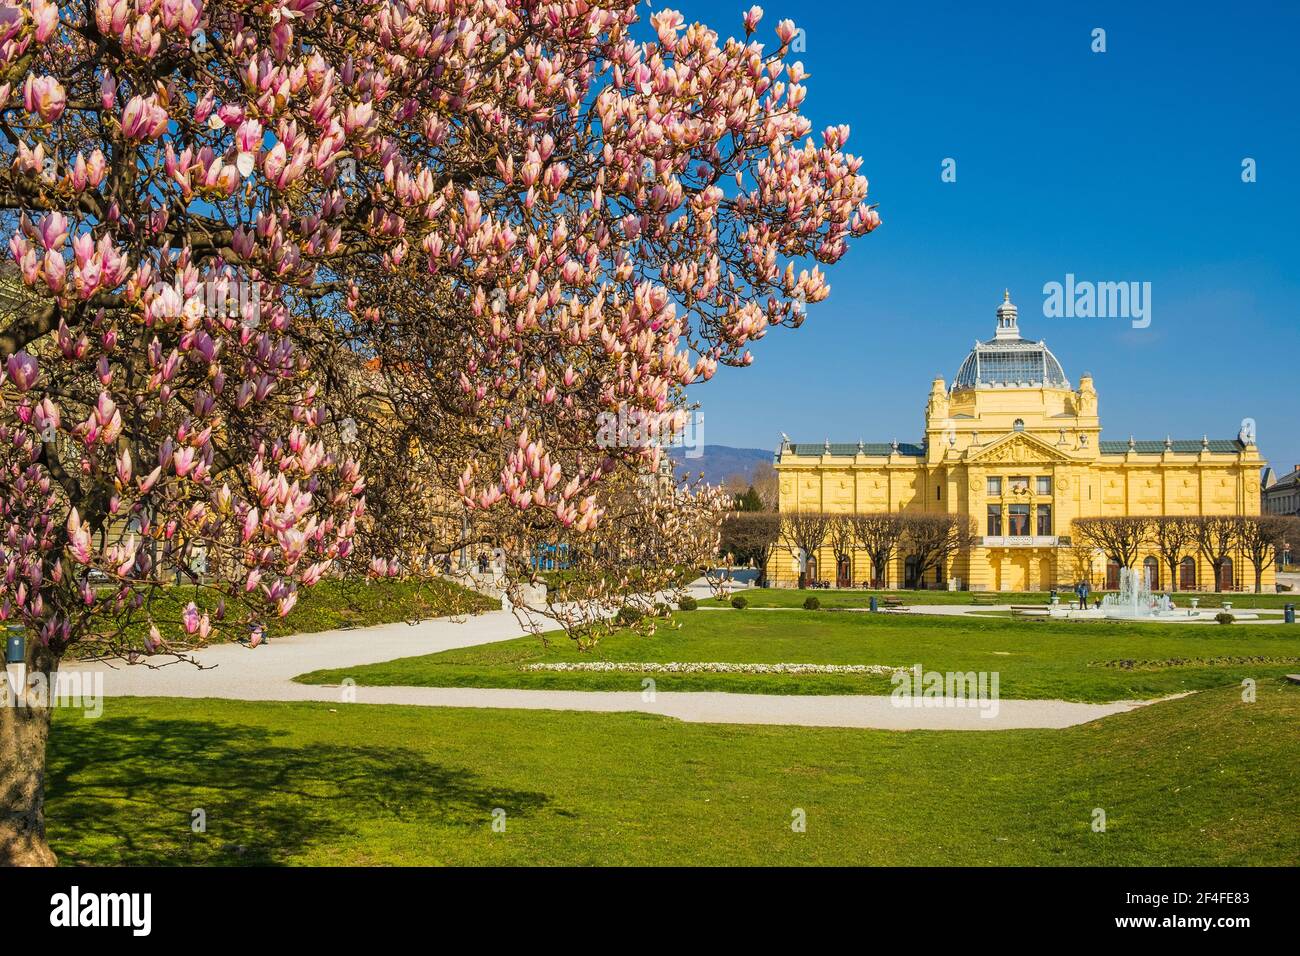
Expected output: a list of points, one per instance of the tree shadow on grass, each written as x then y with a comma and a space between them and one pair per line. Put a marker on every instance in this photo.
123, 791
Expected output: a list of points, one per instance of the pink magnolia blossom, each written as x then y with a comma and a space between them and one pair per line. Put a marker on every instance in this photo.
45, 15
44, 95
23, 371
143, 119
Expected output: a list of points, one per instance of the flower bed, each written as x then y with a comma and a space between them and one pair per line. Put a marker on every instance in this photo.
1130, 665
713, 667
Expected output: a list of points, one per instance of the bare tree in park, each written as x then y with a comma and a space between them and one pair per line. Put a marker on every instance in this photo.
1120, 538
1217, 536
654, 538
842, 541
803, 533
766, 482
879, 534
736, 484
751, 535
1081, 555
1174, 538
931, 540
1262, 539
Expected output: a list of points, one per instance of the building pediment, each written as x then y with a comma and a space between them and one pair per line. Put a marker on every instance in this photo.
1018, 448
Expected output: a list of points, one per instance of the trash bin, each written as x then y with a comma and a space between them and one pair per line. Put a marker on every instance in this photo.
1289, 614
873, 605
15, 646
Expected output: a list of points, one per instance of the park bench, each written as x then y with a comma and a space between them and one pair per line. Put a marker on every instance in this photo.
983, 601
891, 602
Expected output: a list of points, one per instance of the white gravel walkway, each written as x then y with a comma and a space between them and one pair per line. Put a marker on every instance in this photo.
234, 672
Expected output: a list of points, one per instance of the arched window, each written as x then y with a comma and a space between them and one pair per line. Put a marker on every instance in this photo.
1152, 568
1187, 574
843, 572
1019, 425
1112, 575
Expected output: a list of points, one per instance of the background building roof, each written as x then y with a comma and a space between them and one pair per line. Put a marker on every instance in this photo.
849, 449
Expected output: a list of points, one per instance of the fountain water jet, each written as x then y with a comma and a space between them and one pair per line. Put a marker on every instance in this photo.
1135, 602
1134, 598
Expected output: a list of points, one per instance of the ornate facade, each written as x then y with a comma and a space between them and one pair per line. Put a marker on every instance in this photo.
1014, 445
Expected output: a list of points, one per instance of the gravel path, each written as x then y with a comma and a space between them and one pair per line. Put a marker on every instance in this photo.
237, 673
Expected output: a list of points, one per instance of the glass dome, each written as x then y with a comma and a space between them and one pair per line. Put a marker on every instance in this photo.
1008, 361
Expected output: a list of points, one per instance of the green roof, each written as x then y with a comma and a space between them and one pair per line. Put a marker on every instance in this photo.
1216, 446
849, 449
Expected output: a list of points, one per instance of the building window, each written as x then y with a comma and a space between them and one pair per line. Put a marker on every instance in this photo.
1019, 425
1151, 567
995, 487
1018, 520
1044, 520
938, 492
995, 520
1187, 574
1044, 484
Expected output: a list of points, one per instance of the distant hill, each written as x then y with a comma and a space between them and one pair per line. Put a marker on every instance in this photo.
720, 462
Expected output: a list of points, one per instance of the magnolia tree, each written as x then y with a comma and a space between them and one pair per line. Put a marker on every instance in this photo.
296, 277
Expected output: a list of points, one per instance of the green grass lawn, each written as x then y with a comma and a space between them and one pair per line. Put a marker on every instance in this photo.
1204, 780
1035, 658
332, 603
793, 597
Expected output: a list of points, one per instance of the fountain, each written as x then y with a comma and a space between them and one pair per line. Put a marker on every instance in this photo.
1134, 599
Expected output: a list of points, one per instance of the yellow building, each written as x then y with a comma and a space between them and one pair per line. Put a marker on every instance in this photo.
1014, 445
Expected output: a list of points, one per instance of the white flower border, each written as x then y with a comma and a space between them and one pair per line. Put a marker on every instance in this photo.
714, 667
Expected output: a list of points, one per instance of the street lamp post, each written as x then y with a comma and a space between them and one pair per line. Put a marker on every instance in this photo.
464, 539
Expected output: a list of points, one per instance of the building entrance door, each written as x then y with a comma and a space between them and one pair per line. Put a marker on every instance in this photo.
1016, 573
843, 573
1226, 576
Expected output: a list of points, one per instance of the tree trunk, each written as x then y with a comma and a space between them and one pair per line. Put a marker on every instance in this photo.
24, 730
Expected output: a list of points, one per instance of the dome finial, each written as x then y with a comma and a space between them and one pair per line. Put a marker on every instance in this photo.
1007, 328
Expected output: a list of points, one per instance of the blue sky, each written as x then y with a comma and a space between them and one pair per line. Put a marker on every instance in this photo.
1116, 166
